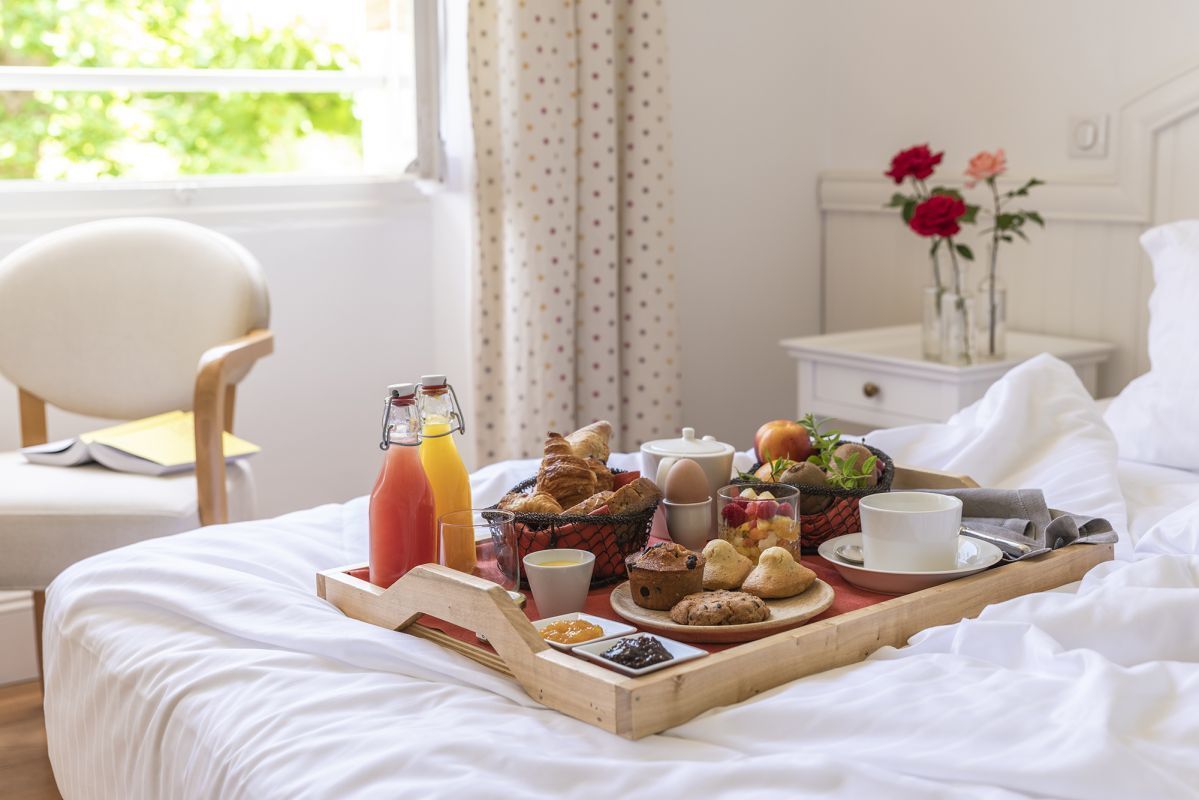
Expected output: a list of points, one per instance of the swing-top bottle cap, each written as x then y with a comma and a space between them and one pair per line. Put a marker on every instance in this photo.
432, 381
401, 390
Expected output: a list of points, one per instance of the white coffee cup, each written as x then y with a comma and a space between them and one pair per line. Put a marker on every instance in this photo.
910, 531
559, 589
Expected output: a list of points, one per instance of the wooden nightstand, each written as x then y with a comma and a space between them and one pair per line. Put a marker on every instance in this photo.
878, 378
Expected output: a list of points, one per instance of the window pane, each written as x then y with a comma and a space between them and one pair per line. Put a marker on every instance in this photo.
87, 135
82, 136
162, 34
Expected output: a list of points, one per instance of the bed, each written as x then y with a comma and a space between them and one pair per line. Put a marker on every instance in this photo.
203, 665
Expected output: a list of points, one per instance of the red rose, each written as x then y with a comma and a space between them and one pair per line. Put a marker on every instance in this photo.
938, 216
918, 162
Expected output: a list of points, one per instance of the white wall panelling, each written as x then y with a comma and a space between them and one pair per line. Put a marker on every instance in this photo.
1084, 275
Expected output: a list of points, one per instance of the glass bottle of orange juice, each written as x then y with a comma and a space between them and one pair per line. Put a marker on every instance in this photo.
440, 419
403, 524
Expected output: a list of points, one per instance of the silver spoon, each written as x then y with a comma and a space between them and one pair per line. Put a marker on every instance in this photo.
851, 553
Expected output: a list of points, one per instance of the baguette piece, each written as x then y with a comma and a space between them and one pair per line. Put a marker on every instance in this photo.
634, 497
591, 441
590, 504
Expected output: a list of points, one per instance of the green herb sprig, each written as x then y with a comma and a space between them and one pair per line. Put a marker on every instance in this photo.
843, 473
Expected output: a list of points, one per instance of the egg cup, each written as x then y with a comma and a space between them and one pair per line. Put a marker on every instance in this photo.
689, 524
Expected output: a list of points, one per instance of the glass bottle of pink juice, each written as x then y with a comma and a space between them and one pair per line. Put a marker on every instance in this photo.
403, 525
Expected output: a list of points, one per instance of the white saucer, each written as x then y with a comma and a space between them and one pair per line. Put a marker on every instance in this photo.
974, 555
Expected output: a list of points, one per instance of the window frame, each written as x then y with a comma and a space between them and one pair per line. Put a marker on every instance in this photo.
193, 194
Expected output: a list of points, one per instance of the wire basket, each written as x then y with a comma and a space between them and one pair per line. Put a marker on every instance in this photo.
611, 537
841, 516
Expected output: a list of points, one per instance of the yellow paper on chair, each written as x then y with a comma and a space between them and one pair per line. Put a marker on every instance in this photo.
152, 446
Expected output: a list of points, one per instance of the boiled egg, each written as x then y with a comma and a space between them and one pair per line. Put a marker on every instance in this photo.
686, 482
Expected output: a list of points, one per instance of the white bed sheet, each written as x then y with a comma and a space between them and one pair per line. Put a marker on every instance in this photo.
202, 665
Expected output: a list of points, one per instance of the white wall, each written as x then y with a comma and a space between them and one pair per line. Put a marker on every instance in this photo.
747, 140
967, 76
769, 97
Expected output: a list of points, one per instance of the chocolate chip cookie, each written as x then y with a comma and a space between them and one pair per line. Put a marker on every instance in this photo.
719, 608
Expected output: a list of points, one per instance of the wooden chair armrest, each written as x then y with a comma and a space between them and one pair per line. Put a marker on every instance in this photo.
220, 369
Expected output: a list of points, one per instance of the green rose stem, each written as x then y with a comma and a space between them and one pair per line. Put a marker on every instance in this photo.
960, 301
922, 193
994, 263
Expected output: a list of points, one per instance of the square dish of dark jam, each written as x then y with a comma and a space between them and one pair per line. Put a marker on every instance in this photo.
639, 654
636, 652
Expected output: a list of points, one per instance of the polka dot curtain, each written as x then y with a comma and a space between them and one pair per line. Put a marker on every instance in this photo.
574, 293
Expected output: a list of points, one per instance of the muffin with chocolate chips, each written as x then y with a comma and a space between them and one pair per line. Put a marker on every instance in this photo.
663, 575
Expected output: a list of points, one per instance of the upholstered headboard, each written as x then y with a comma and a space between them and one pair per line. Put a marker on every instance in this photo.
1086, 276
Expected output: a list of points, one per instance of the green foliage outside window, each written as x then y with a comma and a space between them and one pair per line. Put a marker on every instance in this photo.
107, 134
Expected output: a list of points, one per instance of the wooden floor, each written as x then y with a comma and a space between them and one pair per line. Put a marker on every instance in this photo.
24, 767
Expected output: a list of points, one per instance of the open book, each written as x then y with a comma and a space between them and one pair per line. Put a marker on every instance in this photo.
151, 446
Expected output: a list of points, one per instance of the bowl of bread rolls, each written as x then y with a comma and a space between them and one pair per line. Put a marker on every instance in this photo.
576, 501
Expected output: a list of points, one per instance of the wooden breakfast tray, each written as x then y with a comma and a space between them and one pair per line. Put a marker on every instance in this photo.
637, 707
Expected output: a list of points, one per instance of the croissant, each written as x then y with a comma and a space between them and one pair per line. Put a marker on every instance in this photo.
590, 504
634, 497
556, 445
603, 475
536, 503
591, 441
567, 478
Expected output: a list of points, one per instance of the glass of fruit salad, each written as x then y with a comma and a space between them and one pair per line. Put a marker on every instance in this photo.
752, 517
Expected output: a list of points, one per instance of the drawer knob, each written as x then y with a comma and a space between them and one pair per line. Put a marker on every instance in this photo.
870, 389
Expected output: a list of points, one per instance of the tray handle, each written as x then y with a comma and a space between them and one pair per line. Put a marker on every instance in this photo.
468, 601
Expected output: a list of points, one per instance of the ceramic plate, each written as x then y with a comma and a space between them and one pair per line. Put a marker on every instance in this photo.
787, 613
612, 629
681, 652
974, 555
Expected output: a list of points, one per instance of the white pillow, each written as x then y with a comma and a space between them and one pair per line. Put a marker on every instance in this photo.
1156, 417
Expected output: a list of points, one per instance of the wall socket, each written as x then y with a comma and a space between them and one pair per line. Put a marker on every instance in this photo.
1088, 136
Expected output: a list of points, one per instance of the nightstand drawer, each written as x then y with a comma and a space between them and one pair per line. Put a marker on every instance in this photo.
879, 378
835, 388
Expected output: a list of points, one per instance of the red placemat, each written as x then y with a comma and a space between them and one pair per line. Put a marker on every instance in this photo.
846, 598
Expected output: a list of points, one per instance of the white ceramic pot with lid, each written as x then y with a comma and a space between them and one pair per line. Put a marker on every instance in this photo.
715, 458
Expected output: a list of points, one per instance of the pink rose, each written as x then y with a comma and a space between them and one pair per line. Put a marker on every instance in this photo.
985, 165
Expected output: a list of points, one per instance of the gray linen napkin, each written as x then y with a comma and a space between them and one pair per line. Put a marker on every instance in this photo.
1022, 516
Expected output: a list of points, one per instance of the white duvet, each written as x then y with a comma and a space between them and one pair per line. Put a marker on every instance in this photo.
203, 666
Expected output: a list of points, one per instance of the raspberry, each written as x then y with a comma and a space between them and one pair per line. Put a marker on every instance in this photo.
766, 509
733, 514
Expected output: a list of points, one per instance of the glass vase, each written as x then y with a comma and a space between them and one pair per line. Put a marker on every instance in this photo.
991, 319
930, 333
957, 328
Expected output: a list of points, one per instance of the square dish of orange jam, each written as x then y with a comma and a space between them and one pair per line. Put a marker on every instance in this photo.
571, 631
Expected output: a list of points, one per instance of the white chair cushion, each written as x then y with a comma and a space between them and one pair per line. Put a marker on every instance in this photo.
51, 517
110, 318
